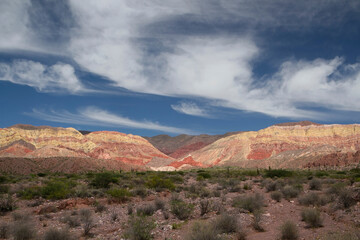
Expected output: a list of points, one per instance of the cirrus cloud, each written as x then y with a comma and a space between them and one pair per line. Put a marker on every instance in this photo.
190, 108
93, 116
152, 48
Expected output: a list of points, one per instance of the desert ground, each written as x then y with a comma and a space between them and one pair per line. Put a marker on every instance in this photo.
214, 203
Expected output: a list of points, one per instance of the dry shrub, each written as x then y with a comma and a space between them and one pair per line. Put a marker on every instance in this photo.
315, 184
23, 230
311, 216
289, 231
87, 220
139, 228
226, 223
203, 231
277, 196
205, 206
56, 234
250, 203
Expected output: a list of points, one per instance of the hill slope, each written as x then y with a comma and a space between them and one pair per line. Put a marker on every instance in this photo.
286, 146
180, 146
96, 150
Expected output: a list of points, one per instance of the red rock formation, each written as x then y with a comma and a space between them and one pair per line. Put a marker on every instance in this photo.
67, 150
296, 146
26, 149
180, 146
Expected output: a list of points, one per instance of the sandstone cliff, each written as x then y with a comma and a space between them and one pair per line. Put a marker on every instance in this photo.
46, 147
285, 146
26, 149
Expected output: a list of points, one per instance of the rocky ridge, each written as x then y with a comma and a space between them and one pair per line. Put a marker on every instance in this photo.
36, 146
286, 146
181, 145
26, 149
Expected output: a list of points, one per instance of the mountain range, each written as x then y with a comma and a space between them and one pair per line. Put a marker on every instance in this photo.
29, 149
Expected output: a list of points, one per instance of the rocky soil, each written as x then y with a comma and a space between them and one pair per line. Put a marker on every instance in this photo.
111, 218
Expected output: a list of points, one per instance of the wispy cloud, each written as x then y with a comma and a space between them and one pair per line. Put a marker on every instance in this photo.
190, 108
113, 39
93, 116
56, 78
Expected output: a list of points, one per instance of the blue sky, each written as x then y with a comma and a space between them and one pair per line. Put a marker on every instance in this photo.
172, 67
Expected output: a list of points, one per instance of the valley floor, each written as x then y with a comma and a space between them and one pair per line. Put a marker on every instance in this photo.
199, 204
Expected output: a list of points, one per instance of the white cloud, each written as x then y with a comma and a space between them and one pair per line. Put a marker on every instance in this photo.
106, 40
217, 68
111, 30
327, 83
92, 116
13, 24
190, 108
220, 70
55, 78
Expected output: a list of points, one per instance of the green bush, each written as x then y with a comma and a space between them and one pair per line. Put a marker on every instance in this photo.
4, 189
158, 183
3, 179
280, 173
181, 209
30, 192
289, 231
321, 173
177, 179
311, 217
119, 194
104, 179
250, 203
203, 175
57, 189
139, 228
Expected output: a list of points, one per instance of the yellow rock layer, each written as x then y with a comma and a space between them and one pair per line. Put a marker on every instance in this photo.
105, 136
67, 137
313, 131
237, 147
